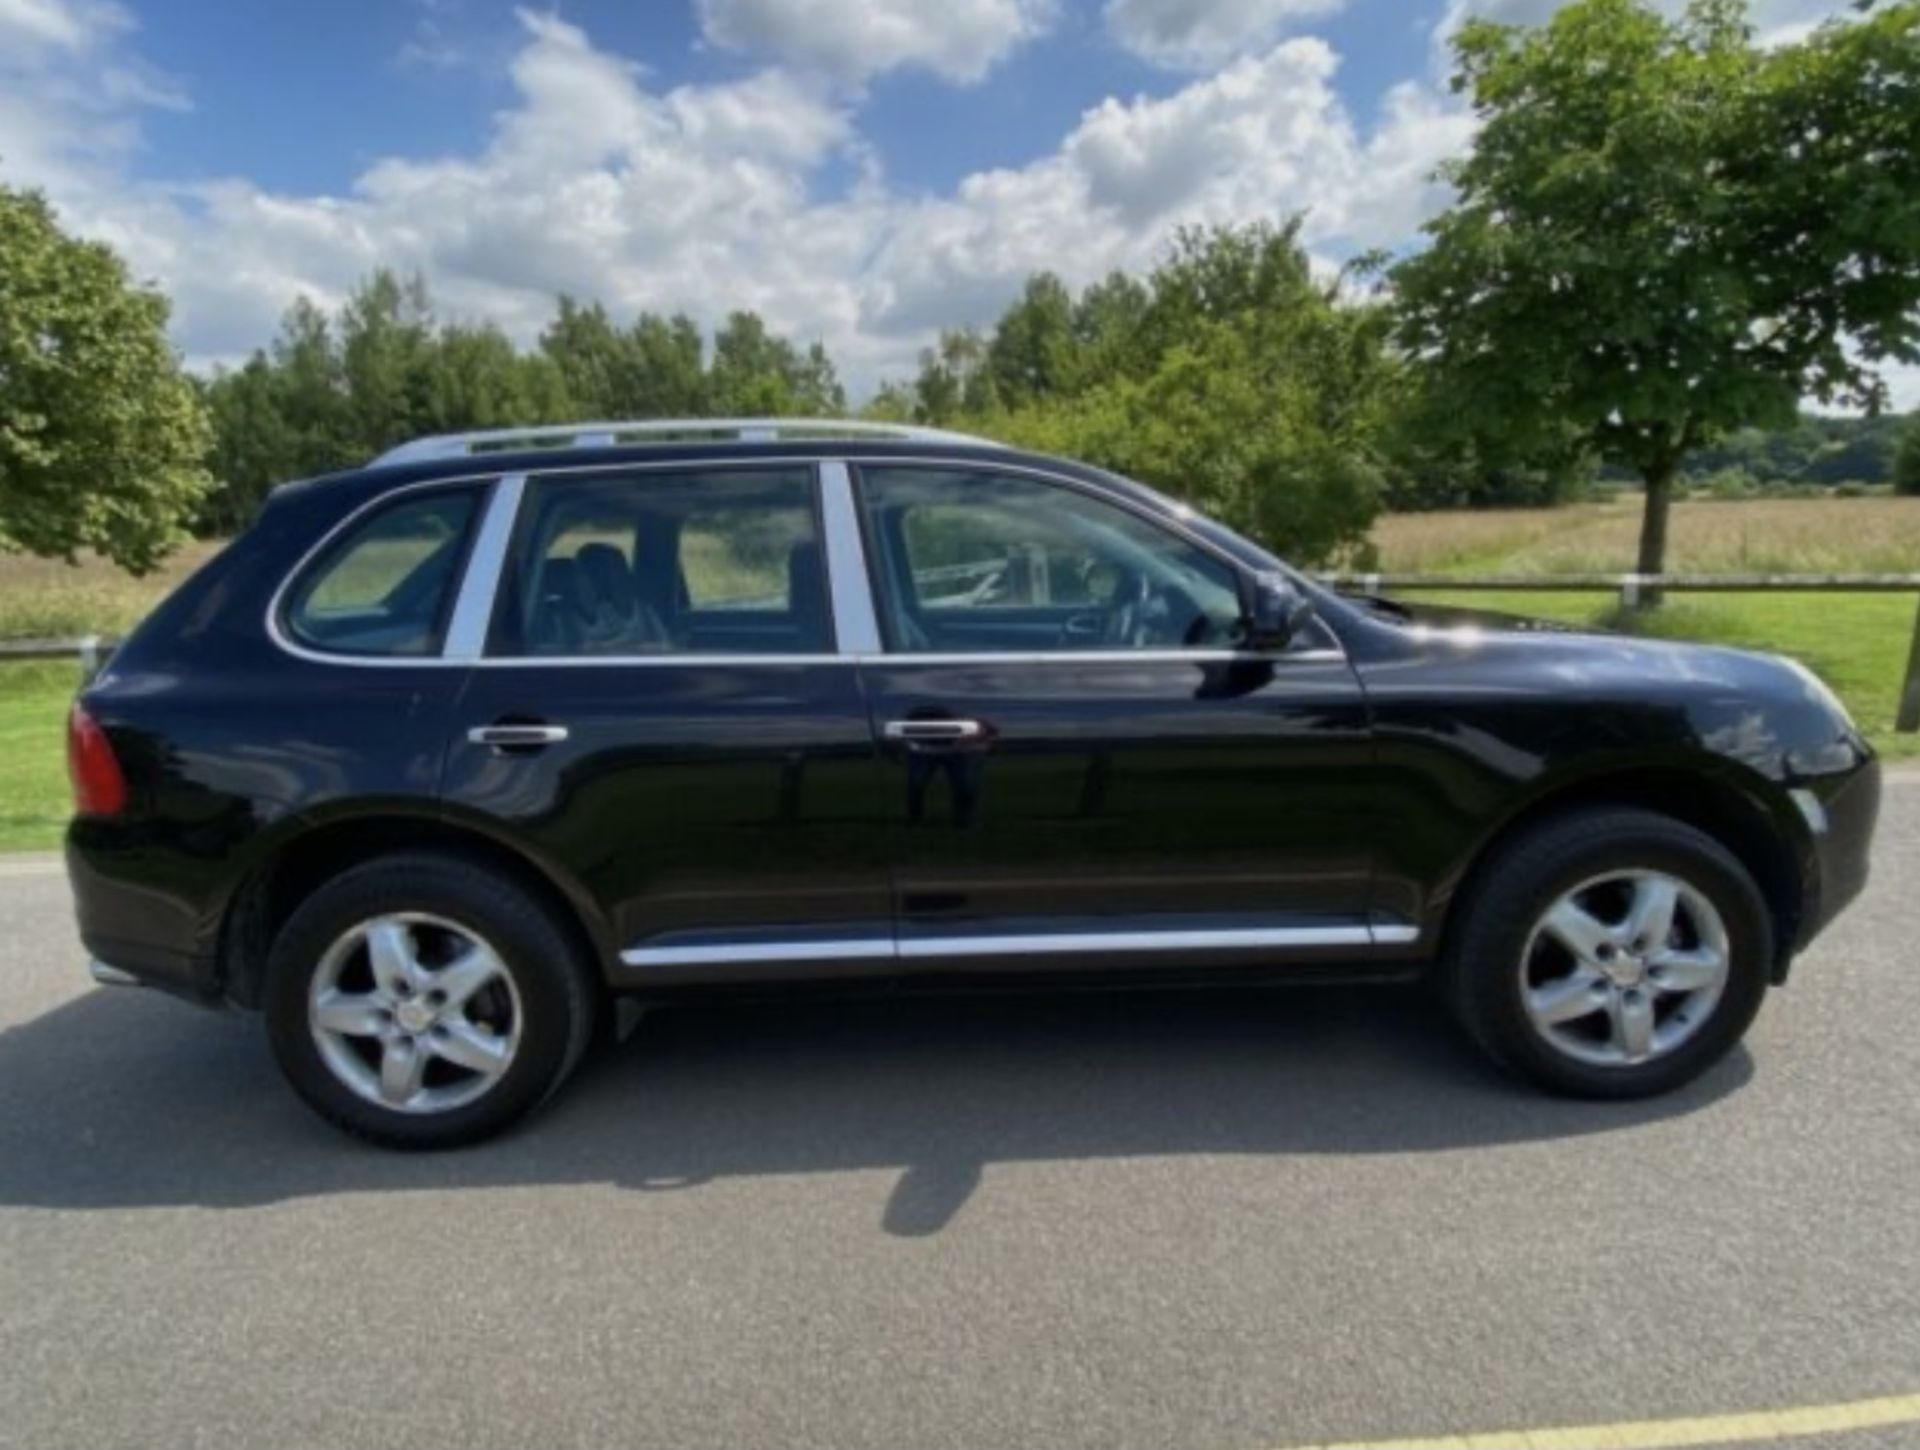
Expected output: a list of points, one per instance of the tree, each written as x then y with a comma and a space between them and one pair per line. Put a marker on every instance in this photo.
1032, 354
1252, 391
1906, 461
1665, 232
254, 444
386, 339
102, 436
956, 379
588, 350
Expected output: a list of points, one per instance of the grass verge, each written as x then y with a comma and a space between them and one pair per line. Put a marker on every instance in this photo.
34, 801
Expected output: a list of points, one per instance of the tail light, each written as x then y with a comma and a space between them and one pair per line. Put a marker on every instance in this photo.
99, 788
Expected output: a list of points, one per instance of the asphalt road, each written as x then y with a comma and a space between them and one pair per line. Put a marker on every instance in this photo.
1211, 1223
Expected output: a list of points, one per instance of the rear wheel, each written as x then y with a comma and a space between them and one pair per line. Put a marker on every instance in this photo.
1612, 954
425, 1001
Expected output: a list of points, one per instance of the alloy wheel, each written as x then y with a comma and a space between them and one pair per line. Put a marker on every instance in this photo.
1624, 968
415, 1013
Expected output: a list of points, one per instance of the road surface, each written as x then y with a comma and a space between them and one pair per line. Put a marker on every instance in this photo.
1212, 1223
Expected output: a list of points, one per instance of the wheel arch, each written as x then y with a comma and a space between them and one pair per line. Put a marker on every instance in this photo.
1741, 815
289, 870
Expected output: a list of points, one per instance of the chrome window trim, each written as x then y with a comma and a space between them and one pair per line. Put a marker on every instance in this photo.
877, 655
856, 627
1038, 657
275, 604
466, 638
936, 947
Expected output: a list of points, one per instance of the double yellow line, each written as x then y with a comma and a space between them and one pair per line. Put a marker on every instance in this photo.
1759, 1427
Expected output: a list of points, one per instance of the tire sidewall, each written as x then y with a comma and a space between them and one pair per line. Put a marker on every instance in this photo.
1488, 969
536, 955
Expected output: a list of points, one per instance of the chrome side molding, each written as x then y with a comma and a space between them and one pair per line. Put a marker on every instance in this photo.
925, 948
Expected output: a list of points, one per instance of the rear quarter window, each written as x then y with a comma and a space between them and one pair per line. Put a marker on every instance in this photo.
386, 585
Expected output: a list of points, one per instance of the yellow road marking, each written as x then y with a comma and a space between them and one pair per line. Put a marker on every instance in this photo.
1756, 1428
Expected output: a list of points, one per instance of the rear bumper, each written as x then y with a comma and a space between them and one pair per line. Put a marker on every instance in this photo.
135, 933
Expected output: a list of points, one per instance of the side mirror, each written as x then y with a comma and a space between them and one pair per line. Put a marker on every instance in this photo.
1278, 611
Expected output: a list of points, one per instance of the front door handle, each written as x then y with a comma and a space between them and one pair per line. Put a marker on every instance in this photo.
517, 736
934, 732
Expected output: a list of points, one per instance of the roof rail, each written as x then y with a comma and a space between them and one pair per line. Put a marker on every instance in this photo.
665, 430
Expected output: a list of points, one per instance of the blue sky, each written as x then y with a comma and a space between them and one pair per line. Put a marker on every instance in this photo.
863, 172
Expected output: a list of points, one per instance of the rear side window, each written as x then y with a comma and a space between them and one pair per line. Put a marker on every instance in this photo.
385, 587
662, 563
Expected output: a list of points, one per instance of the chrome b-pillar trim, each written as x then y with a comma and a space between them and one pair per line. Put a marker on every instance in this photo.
473, 609
856, 629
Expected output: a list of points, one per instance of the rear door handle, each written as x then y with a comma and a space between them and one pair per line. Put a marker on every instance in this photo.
522, 736
943, 732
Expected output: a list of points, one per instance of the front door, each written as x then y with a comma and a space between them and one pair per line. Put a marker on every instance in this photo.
1083, 769
662, 713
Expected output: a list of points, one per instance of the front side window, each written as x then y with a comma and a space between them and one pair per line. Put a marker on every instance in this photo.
980, 562
385, 587
662, 563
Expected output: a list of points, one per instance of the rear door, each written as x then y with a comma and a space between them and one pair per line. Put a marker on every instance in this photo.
1083, 766
662, 712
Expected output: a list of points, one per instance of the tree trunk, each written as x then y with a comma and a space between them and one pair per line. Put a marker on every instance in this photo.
1653, 528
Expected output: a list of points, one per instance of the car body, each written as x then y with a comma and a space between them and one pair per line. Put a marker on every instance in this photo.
860, 707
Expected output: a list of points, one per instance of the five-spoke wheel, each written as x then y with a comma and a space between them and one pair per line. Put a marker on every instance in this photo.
426, 1000
1609, 953
1625, 967
414, 1012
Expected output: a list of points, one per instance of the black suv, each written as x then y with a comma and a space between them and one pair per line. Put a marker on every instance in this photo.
444, 751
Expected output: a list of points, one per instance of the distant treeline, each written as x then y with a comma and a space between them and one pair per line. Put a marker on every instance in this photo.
331, 392
1229, 375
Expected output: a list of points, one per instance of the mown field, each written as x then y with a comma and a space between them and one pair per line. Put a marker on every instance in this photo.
1858, 643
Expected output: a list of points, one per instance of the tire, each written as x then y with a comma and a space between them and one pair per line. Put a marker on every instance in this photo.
1509, 974
475, 968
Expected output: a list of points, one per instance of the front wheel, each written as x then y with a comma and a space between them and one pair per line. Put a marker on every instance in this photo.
423, 1001
1610, 954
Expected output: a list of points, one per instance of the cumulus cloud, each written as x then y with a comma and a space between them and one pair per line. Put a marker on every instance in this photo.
1200, 34
852, 40
705, 198
61, 25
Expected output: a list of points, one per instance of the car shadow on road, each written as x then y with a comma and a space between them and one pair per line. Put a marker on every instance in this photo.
124, 1099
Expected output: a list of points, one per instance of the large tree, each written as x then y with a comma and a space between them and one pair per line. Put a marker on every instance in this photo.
1665, 231
102, 436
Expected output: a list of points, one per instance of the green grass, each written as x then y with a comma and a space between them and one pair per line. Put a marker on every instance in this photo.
34, 801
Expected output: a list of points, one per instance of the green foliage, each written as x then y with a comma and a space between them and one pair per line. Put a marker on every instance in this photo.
1906, 462
332, 391
1228, 376
1665, 232
102, 436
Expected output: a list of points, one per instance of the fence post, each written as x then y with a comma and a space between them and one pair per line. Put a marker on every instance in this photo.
1908, 719
1629, 593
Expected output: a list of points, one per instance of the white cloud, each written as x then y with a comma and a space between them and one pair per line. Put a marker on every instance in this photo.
1260, 140
705, 198
852, 40
63, 25
1199, 34
70, 95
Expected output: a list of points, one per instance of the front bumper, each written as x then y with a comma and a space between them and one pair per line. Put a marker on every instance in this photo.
1850, 804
